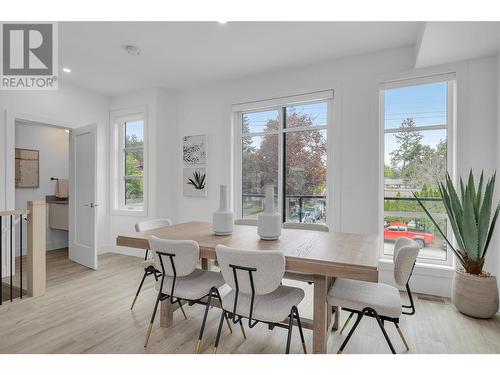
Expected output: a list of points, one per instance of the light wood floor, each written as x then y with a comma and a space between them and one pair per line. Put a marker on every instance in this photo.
87, 311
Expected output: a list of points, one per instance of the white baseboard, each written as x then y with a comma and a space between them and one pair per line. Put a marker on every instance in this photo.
425, 279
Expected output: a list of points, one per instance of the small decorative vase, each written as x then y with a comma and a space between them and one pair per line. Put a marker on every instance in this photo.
223, 218
269, 222
475, 295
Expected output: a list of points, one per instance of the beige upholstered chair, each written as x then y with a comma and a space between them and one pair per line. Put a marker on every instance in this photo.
148, 262
180, 279
317, 227
381, 301
256, 291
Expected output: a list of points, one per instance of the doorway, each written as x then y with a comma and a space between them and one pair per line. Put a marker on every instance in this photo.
42, 173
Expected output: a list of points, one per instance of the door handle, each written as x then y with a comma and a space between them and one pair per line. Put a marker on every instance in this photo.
91, 205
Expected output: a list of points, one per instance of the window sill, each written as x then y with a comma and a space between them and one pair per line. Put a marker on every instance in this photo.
126, 212
422, 269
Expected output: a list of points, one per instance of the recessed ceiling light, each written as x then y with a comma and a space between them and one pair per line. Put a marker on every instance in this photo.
66, 130
222, 22
66, 70
132, 50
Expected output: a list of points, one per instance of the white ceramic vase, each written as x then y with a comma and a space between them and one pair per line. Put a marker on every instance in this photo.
222, 219
269, 222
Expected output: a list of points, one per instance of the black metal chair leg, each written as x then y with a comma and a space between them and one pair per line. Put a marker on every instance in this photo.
150, 327
290, 326
346, 323
381, 325
358, 319
207, 308
140, 287
299, 324
402, 336
221, 322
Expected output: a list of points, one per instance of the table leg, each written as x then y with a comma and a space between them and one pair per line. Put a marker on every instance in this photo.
335, 326
166, 314
334, 309
204, 264
320, 326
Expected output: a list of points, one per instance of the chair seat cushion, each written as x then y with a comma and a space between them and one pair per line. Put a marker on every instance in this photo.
273, 307
356, 295
193, 286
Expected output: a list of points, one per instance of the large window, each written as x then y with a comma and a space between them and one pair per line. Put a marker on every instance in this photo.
285, 146
417, 122
129, 163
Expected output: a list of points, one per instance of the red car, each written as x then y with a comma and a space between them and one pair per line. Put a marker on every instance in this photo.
396, 230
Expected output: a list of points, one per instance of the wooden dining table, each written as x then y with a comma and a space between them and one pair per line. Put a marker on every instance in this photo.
324, 256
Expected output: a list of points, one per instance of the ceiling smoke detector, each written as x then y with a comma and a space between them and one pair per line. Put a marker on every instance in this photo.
132, 50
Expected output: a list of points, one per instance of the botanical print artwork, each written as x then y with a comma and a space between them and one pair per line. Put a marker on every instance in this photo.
194, 149
194, 182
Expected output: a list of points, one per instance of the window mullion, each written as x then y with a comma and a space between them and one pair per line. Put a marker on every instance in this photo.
282, 165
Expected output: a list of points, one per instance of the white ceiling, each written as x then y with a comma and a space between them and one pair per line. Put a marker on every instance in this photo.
179, 54
446, 42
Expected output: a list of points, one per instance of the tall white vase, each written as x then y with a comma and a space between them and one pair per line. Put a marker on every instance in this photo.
222, 219
269, 222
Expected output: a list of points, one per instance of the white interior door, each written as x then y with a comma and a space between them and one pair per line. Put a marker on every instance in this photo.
82, 202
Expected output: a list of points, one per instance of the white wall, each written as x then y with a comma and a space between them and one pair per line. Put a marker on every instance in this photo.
53, 146
75, 107
356, 137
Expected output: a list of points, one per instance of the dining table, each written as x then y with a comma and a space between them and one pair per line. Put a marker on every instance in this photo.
323, 256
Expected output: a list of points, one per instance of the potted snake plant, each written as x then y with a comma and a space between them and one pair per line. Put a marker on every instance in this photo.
472, 218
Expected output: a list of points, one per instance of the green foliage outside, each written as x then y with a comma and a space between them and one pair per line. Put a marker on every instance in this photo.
305, 162
419, 168
134, 163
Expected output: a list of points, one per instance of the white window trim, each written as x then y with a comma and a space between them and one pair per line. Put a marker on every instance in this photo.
118, 118
450, 127
277, 104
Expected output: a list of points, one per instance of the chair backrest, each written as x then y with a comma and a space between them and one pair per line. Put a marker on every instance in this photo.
152, 224
318, 227
186, 254
269, 268
405, 255
252, 222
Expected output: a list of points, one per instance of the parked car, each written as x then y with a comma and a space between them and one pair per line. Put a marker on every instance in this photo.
396, 230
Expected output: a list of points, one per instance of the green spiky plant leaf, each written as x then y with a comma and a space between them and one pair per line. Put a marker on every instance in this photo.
470, 218
198, 180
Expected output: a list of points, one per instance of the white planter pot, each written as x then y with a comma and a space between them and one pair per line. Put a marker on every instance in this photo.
475, 295
269, 222
222, 219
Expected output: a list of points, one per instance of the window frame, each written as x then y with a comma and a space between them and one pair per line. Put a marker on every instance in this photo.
450, 126
279, 105
118, 119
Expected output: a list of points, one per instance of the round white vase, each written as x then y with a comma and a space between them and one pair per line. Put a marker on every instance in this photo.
269, 222
222, 219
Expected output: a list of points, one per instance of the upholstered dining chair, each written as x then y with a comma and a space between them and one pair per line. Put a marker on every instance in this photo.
256, 291
305, 226
148, 263
180, 280
378, 300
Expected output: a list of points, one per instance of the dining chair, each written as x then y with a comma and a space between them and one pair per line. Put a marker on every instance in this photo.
378, 300
148, 263
297, 276
180, 280
256, 291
